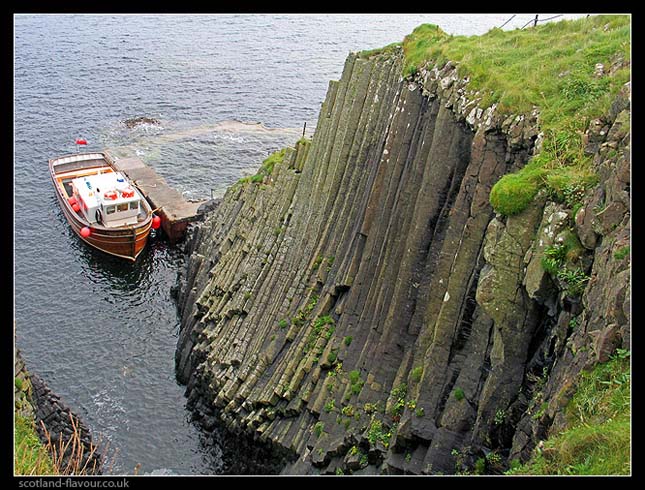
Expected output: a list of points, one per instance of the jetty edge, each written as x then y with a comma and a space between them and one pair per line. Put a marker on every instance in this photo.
176, 212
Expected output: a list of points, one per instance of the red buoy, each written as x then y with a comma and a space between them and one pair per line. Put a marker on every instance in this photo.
85, 232
156, 222
76, 207
71, 201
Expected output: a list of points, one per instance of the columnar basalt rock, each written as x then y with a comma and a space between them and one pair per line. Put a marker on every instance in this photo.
364, 309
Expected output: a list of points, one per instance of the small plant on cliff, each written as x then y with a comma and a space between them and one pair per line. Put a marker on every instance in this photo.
356, 382
348, 410
330, 405
573, 323
313, 301
270, 162
398, 395
557, 256
265, 170
621, 253
480, 466
575, 281
332, 356
458, 393
416, 374
317, 263
330, 262
370, 408
377, 433
318, 428
553, 258
461, 455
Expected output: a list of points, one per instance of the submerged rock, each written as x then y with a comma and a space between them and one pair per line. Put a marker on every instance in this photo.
133, 122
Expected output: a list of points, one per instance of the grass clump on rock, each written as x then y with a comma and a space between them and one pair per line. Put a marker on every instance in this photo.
266, 169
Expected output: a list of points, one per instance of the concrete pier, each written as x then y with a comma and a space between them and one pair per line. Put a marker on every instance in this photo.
176, 212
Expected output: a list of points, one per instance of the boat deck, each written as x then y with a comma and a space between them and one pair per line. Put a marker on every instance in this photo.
175, 211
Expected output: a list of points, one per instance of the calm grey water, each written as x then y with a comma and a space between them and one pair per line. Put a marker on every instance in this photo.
101, 331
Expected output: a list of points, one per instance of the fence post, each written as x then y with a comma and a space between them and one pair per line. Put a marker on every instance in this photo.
536, 20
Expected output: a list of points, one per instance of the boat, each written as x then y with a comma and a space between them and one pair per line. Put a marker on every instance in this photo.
103, 207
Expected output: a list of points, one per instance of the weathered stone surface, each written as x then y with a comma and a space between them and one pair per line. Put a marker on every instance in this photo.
537, 281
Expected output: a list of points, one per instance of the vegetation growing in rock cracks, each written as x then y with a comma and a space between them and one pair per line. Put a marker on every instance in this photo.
560, 261
553, 67
597, 438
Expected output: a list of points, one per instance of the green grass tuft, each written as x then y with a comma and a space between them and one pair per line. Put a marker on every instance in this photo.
266, 169
458, 394
319, 428
621, 253
417, 374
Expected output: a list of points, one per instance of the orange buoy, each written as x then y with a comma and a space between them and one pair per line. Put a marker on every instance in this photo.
76, 207
156, 222
85, 232
71, 201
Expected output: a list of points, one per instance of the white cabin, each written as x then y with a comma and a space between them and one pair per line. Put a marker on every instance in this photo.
107, 199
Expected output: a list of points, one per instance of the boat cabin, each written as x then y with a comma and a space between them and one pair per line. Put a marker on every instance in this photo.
107, 199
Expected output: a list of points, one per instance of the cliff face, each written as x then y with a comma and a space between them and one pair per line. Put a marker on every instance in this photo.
365, 310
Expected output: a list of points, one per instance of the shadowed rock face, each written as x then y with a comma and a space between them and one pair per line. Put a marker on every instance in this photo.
364, 309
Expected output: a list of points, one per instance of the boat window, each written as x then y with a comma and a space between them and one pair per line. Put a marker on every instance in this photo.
110, 209
122, 207
134, 205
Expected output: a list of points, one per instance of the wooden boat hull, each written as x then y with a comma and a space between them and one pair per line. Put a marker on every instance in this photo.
126, 241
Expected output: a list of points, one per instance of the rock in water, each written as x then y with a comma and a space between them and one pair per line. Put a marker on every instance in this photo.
133, 122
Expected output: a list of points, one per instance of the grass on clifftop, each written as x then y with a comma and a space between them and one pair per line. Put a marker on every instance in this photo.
597, 440
550, 66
